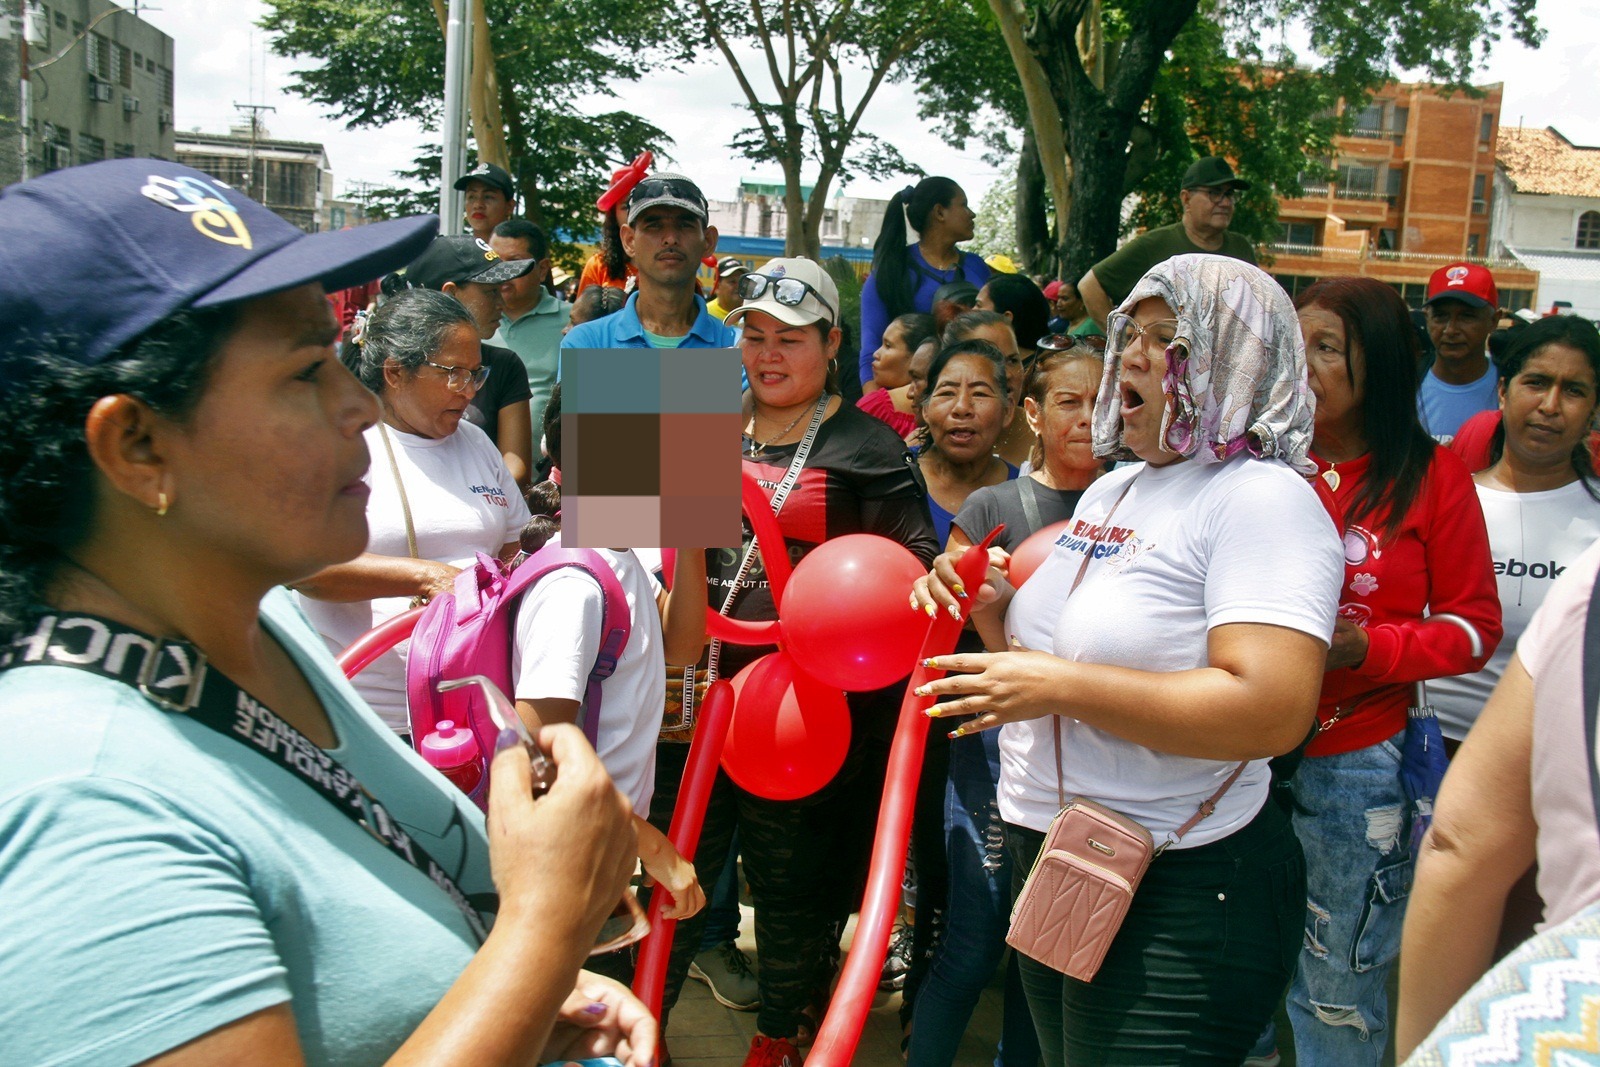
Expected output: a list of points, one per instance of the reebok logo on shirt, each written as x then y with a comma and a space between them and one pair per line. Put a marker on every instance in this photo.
1516, 568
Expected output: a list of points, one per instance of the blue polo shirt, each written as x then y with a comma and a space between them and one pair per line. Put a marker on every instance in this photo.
624, 330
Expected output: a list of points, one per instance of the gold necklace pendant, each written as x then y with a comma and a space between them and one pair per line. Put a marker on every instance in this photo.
1331, 476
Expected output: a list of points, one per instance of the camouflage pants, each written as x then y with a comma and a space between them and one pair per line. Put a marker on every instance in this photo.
805, 862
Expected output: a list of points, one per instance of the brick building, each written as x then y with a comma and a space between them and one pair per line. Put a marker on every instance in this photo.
1547, 214
1413, 190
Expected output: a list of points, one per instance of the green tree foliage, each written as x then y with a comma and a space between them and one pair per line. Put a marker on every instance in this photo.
372, 62
808, 71
1143, 87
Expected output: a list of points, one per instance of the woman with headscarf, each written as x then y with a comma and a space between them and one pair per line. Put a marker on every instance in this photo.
1181, 623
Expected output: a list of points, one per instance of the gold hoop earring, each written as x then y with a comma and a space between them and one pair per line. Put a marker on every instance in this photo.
161, 503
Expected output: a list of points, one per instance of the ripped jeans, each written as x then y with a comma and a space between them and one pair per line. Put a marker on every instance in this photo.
1352, 826
976, 920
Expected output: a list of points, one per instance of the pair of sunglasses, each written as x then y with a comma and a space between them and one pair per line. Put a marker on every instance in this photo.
790, 292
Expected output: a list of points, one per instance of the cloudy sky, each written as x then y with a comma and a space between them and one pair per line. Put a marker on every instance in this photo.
222, 60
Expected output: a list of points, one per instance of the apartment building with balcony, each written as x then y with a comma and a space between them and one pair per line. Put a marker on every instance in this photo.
1413, 189
1547, 215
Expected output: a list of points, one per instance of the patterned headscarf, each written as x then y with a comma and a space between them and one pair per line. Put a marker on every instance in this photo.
1236, 370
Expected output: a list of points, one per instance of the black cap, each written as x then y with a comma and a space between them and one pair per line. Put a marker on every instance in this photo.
489, 174
165, 237
1209, 171
459, 260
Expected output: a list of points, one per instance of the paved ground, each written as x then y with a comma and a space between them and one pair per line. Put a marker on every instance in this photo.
705, 1034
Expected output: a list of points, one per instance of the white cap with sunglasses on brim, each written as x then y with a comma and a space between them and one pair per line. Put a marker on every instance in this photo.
796, 292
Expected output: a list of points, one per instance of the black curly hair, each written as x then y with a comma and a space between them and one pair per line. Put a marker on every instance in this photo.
46, 475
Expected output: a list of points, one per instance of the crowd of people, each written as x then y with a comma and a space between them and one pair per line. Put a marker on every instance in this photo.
1279, 537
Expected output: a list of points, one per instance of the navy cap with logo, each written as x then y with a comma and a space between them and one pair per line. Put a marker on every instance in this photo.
491, 175
460, 260
98, 254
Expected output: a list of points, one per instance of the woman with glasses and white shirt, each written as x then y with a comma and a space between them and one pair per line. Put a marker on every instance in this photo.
1189, 653
441, 492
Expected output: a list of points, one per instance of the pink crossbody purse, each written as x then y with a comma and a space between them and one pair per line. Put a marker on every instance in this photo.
1091, 863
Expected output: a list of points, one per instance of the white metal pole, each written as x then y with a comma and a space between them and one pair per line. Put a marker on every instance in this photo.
455, 99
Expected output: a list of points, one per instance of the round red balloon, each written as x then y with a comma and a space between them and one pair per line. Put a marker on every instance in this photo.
1034, 551
789, 732
847, 615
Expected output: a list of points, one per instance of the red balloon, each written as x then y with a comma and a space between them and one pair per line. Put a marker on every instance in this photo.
789, 731
1034, 551
847, 614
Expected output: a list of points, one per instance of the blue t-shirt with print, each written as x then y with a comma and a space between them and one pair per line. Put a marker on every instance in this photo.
159, 880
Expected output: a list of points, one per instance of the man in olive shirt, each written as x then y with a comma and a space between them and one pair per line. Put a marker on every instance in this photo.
1210, 190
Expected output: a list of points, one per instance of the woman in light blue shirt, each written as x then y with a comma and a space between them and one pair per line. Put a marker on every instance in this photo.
211, 851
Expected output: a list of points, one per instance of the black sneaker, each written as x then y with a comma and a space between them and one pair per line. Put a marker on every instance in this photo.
897, 964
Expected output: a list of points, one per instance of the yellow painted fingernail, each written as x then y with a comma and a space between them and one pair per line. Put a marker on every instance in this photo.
931, 662
931, 610
932, 712
959, 731
959, 590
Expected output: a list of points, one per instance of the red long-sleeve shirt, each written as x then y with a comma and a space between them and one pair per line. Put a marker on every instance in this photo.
1437, 560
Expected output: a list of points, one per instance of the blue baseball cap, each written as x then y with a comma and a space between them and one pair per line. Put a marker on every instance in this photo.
103, 252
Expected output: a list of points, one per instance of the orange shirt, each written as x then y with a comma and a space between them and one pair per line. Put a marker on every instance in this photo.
594, 273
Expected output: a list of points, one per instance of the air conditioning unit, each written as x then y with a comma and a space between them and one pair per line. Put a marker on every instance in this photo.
165, 117
99, 91
130, 105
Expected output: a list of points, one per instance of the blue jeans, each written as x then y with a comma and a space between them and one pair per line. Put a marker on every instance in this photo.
722, 907
978, 916
1352, 823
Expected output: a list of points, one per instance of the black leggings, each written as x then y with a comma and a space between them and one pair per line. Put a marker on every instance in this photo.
1200, 964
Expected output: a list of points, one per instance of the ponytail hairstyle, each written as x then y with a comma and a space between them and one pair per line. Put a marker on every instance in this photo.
891, 263
1527, 342
612, 255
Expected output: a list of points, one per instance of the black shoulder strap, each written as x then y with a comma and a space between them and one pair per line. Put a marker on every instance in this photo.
174, 676
1591, 687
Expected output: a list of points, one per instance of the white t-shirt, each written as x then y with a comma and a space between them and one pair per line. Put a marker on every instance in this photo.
557, 638
1563, 807
1191, 547
463, 501
1534, 538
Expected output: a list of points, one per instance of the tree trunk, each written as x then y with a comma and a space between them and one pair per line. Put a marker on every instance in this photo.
1032, 224
816, 211
1095, 132
488, 127
1044, 112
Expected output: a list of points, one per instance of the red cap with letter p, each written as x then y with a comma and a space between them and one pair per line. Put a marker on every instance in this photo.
1470, 283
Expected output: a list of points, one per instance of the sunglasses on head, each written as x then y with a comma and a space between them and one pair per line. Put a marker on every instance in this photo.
677, 188
790, 292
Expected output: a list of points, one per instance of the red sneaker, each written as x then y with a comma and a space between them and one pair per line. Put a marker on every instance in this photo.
772, 1052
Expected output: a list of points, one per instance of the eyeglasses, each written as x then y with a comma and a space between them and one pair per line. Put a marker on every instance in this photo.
461, 379
628, 922
1125, 332
790, 292
1219, 195
676, 188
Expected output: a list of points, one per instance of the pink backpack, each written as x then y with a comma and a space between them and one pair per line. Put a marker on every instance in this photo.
469, 630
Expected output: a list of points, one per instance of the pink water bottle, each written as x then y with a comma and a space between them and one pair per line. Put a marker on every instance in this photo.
453, 752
